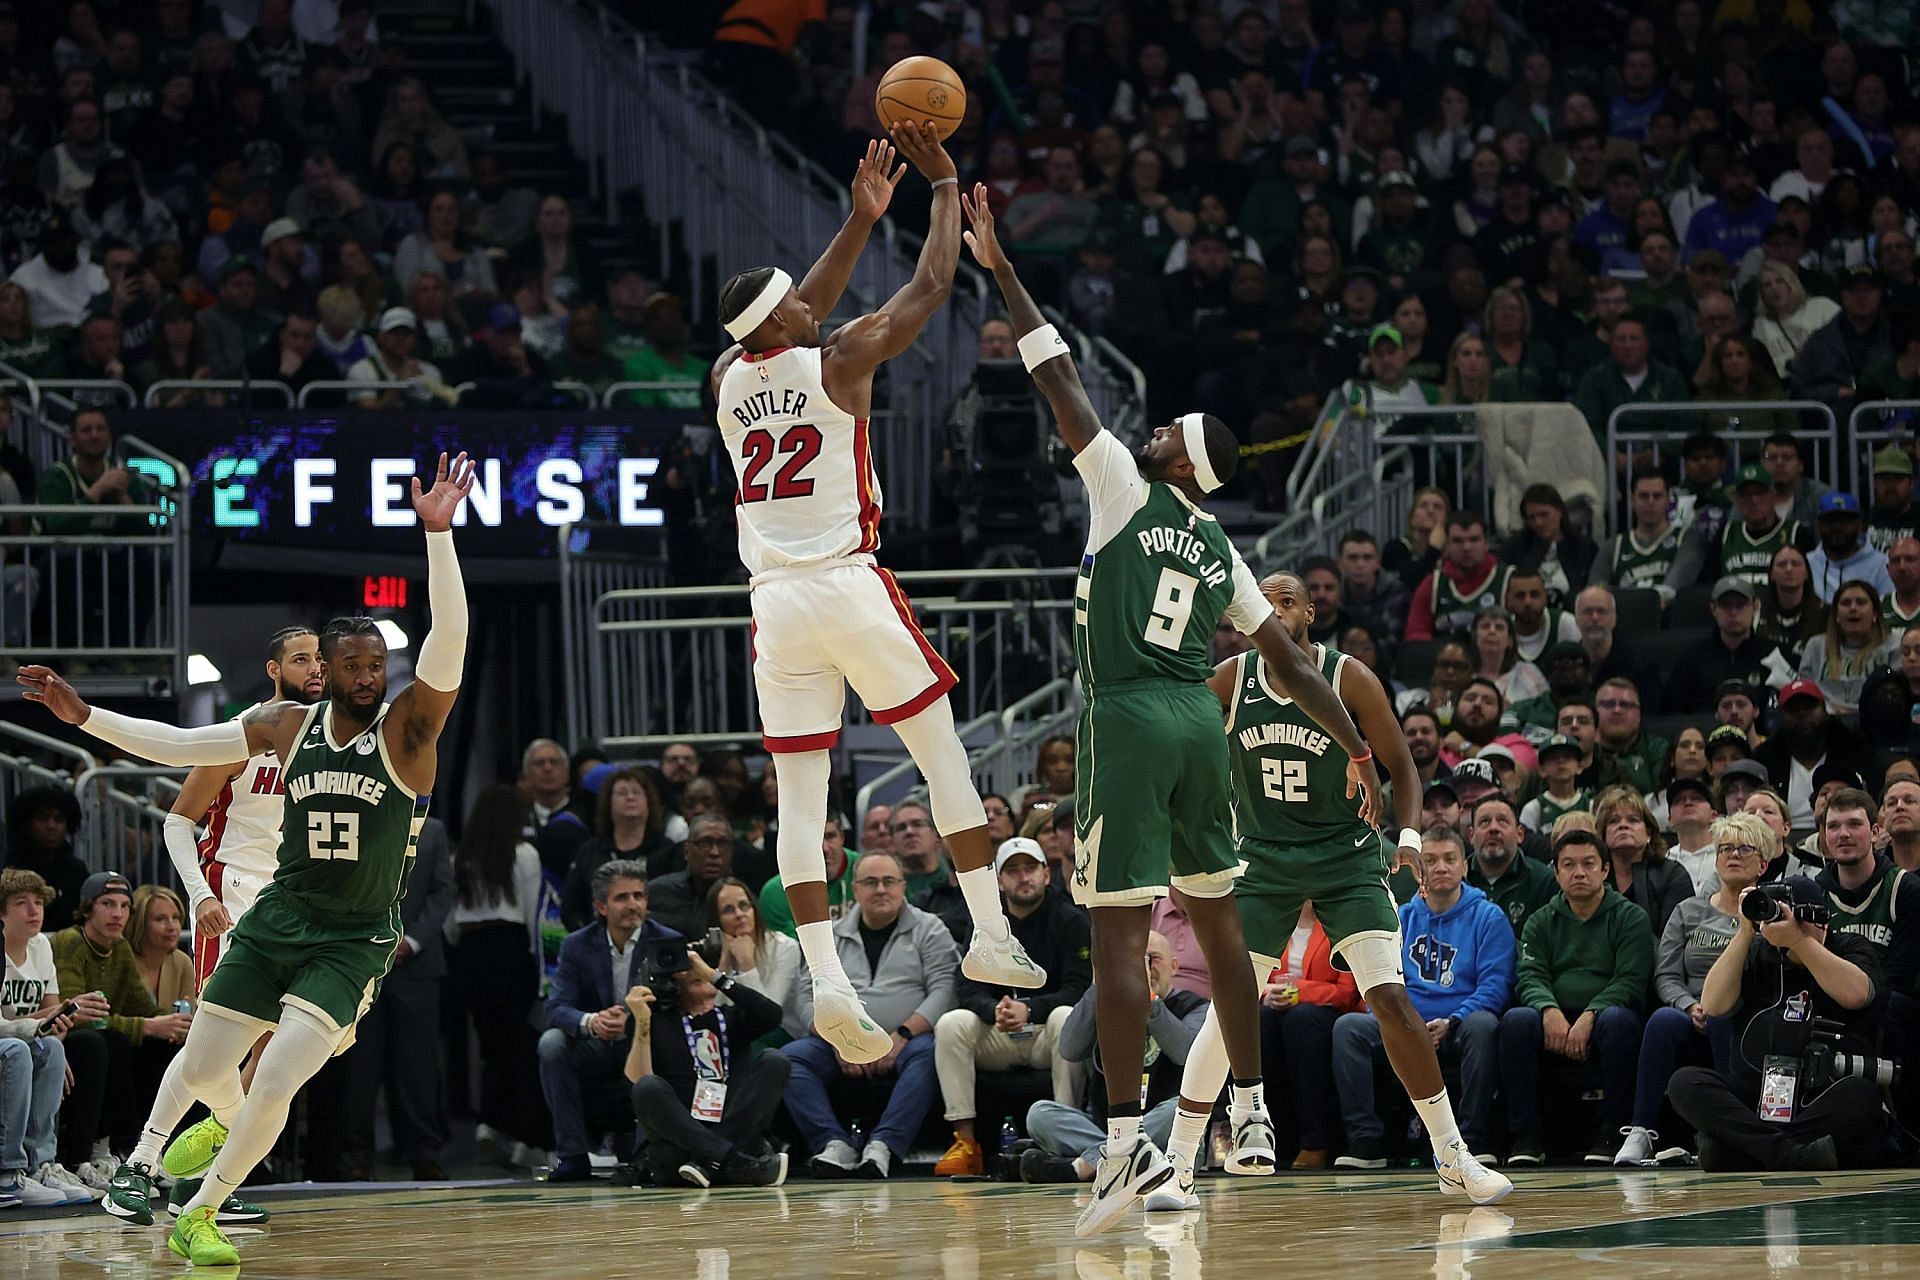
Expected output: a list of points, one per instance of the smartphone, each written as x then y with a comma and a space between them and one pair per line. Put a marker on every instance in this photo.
66, 1010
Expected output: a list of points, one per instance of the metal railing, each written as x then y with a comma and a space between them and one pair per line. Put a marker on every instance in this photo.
348, 388
29, 758
246, 389
677, 659
123, 809
1867, 441
598, 559
1825, 442
110, 597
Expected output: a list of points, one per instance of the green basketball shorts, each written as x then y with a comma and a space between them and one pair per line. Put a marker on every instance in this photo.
281, 954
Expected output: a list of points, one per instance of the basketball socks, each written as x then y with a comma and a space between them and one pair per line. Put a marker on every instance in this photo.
1122, 1130
170, 1105
983, 900
1248, 1097
1436, 1117
816, 944
212, 1194
1189, 1128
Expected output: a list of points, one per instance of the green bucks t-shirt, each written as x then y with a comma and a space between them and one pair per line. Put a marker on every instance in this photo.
1157, 576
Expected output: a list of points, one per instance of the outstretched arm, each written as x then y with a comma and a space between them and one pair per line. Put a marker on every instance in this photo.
871, 340
267, 728
421, 710
1056, 375
872, 190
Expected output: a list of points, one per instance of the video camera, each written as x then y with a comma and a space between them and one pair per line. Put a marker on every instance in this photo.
668, 957
1824, 1063
1770, 902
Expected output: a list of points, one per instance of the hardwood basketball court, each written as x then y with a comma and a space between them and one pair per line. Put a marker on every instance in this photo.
1557, 1223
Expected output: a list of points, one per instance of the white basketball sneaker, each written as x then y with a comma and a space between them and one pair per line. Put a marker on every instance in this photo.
842, 1021
1176, 1194
1462, 1175
1252, 1155
1121, 1178
1001, 962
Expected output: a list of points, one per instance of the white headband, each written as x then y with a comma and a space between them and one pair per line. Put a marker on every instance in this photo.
770, 296
1193, 432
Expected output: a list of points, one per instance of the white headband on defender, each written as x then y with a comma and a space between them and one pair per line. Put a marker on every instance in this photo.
761, 307
1193, 432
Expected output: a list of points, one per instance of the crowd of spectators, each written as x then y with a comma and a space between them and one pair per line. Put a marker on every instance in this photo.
188, 197
1456, 203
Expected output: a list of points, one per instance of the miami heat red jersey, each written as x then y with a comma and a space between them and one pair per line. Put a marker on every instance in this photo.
808, 491
243, 826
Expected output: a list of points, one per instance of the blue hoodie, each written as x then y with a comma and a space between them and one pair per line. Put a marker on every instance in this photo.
1460, 962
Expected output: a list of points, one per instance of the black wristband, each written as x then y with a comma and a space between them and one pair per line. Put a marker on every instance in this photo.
904, 1031
723, 982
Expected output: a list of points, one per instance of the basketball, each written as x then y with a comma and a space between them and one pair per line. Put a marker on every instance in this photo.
922, 89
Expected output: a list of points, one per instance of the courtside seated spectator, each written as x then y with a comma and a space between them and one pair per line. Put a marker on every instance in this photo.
902, 963
628, 824
768, 962
33, 1066
774, 908
583, 1051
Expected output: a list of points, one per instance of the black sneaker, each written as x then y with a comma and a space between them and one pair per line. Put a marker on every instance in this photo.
1362, 1153
1037, 1166
571, 1169
1530, 1151
1602, 1151
739, 1170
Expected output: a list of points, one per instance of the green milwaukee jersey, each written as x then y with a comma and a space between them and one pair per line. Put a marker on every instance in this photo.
1898, 619
1552, 810
1750, 557
1636, 565
1158, 575
1454, 610
1287, 776
1873, 919
347, 841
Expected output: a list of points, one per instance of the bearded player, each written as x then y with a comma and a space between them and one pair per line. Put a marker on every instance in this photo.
1150, 785
307, 960
793, 411
1300, 842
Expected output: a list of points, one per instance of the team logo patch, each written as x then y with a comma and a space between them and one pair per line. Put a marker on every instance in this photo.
366, 746
762, 371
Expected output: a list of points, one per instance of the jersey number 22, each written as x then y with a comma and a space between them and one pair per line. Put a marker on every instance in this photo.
801, 441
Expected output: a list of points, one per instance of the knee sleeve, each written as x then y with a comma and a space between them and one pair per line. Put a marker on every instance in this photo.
1373, 959
804, 776
298, 1050
215, 1048
931, 740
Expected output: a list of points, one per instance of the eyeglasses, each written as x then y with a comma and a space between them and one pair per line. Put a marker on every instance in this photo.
911, 824
1737, 850
1617, 704
999, 811
878, 882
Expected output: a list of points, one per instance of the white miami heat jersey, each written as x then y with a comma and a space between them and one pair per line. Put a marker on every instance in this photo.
808, 491
243, 826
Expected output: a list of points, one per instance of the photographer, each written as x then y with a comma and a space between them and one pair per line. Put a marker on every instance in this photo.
701, 1096
1799, 995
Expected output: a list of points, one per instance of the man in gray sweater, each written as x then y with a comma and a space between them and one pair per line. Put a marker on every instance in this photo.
902, 963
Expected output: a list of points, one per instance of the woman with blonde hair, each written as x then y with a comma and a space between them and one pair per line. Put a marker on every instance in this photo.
1641, 870
1506, 323
1784, 317
153, 930
1742, 369
1855, 645
1499, 660
1679, 1033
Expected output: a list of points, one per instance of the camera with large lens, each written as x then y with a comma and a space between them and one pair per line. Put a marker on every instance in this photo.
1767, 903
668, 957
1824, 1063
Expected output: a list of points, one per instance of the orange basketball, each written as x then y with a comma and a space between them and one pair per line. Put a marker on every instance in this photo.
922, 89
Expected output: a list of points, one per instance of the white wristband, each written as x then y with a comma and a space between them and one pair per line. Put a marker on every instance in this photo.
1410, 838
938, 183
1040, 346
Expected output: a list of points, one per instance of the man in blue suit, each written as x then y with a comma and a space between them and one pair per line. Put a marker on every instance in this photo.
583, 1051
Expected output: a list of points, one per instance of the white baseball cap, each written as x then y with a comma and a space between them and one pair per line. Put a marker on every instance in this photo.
398, 318
1013, 848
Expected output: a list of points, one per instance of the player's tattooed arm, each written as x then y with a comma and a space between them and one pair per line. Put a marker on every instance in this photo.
870, 341
1057, 378
270, 727
873, 187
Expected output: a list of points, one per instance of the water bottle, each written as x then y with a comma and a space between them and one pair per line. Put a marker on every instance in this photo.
183, 1006
1008, 1134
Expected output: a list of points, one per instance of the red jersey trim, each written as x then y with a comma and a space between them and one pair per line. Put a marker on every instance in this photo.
869, 515
755, 357
216, 827
800, 742
943, 677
